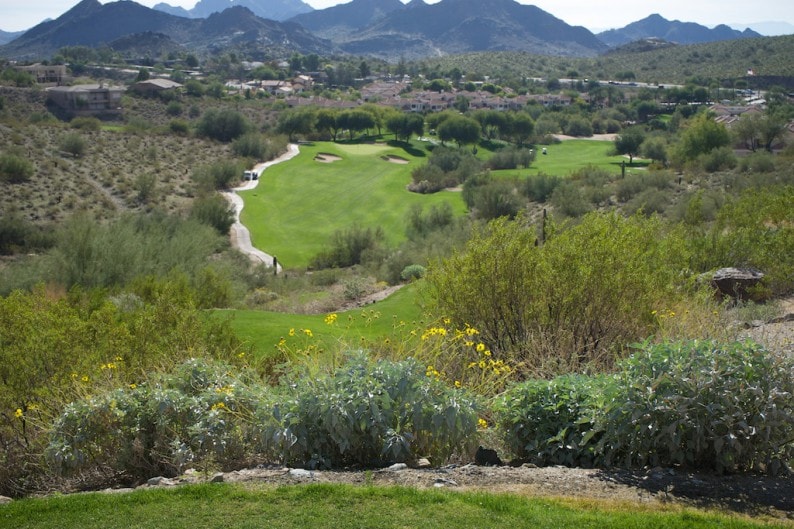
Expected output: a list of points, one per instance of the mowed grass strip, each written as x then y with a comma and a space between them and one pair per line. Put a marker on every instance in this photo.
338, 506
392, 319
299, 204
564, 158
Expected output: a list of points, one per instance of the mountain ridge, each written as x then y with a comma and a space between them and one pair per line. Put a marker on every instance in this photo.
656, 26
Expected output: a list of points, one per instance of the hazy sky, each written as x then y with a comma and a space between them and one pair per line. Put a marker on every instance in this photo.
595, 15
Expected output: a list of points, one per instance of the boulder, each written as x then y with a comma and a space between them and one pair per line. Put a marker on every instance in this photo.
736, 282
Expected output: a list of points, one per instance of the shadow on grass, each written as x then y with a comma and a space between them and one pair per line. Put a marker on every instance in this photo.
742, 493
408, 148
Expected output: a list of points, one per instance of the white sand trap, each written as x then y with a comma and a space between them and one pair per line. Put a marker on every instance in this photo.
395, 159
324, 157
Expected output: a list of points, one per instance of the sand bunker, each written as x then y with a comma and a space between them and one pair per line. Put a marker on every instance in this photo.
324, 157
395, 159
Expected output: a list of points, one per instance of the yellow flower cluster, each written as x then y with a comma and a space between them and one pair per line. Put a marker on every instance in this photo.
308, 332
482, 424
433, 372
330, 319
109, 365
434, 331
19, 413
218, 406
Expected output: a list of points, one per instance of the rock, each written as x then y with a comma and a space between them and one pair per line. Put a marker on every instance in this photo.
160, 481
218, 478
443, 482
529, 465
5, 500
736, 282
422, 462
397, 467
301, 473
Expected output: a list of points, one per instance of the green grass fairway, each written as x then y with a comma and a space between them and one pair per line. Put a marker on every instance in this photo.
566, 157
299, 204
392, 317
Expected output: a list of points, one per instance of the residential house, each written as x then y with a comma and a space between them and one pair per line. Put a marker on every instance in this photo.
87, 99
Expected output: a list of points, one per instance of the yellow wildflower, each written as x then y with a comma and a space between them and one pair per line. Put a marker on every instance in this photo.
480, 347
308, 332
330, 319
457, 383
482, 423
18, 414
292, 332
84, 378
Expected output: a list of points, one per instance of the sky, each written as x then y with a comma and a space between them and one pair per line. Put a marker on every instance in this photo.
596, 15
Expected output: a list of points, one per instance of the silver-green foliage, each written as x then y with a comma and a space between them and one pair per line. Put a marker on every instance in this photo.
701, 404
370, 413
199, 413
695, 404
546, 422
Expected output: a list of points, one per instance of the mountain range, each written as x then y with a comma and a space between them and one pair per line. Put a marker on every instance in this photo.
383, 28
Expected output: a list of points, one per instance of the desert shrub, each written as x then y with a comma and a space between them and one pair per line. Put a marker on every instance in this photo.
700, 404
547, 422
446, 167
759, 162
649, 202
630, 186
578, 126
571, 303
174, 108
569, 200
15, 169
250, 145
219, 175
222, 125
86, 123
755, 230
412, 272
73, 143
59, 348
718, 159
539, 188
370, 413
348, 247
494, 199
20, 235
179, 127
214, 210
511, 158
200, 414
421, 224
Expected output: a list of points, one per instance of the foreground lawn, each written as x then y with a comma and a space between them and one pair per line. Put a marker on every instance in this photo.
391, 318
337, 506
299, 204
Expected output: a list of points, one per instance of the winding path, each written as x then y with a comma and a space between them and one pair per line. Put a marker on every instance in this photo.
241, 237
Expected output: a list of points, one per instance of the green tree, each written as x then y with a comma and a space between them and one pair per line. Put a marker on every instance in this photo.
296, 121
143, 75
629, 142
326, 122
460, 129
355, 121
404, 125
701, 135
521, 127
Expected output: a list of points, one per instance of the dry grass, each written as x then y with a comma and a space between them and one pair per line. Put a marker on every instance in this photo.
117, 166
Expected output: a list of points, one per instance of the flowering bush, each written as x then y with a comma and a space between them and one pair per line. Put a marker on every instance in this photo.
199, 413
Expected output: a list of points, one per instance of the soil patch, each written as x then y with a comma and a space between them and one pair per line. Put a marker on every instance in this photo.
324, 157
747, 494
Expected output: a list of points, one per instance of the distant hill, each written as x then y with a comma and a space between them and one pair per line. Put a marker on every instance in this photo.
420, 30
8, 36
343, 19
90, 23
769, 28
673, 31
270, 9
